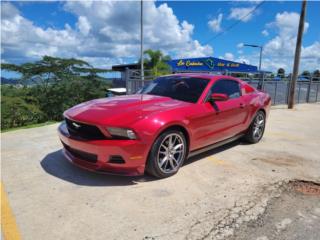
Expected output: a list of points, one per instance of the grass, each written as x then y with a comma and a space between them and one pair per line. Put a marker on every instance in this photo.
28, 126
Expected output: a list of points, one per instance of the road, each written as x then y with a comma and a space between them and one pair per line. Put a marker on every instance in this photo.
212, 196
292, 215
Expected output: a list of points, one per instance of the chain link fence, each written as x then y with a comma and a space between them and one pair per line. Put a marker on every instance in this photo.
306, 91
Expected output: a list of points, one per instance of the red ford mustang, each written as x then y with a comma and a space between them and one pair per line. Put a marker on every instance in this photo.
171, 118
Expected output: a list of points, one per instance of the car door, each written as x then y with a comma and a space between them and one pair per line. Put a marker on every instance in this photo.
233, 112
222, 119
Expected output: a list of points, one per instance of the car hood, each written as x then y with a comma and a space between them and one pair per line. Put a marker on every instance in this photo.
122, 110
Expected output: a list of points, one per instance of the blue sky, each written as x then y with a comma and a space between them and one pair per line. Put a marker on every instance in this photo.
106, 33
249, 32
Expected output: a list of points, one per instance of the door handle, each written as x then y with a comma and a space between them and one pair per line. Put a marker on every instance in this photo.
242, 105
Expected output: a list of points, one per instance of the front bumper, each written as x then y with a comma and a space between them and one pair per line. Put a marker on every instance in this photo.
133, 152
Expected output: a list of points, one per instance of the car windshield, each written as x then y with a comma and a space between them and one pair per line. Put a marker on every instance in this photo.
187, 89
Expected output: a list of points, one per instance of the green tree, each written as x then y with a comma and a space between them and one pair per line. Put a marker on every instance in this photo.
57, 84
316, 73
52, 69
16, 112
281, 72
306, 74
156, 62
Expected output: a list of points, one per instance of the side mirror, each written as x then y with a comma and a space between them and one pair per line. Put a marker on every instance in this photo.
219, 97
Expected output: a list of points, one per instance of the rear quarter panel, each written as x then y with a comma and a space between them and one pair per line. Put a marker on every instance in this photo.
256, 101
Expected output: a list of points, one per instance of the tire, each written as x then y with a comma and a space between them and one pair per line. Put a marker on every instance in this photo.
165, 157
256, 129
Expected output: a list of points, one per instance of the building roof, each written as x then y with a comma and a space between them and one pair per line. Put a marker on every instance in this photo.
117, 90
123, 67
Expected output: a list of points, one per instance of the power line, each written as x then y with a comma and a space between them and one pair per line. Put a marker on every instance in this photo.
234, 24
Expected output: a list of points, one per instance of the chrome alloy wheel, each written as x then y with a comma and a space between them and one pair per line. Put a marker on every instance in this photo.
258, 126
171, 153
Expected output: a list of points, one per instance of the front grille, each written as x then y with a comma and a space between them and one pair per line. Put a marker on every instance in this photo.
89, 157
84, 131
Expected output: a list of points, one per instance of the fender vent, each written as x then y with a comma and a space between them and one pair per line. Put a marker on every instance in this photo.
116, 159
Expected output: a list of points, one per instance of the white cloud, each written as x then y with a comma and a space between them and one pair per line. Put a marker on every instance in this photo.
229, 56
83, 25
104, 30
117, 25
195, 50
21, 39
265, 33
288, 23
243, 59
312, 51
8, 10
215, 24
240, 45
241, 13
279, 51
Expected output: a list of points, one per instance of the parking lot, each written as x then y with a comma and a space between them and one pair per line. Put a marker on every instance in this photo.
213, 193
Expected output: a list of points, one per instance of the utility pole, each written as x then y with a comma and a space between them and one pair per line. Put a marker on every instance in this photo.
141, 42
297, 56
261, 81
260, 59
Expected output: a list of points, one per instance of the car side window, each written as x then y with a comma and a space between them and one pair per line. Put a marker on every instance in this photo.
228, 87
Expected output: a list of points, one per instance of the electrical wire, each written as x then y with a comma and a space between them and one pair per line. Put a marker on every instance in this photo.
234, 24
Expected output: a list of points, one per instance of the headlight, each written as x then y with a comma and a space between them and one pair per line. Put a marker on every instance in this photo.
121, 133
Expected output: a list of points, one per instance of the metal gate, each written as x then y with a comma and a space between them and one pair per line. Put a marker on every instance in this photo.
134, 80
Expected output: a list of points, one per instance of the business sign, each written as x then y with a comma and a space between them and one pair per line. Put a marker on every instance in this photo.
209, 64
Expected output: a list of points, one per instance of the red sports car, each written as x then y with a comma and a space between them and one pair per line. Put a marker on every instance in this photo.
171, 118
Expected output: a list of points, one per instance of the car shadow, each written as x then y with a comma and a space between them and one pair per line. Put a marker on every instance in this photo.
214, 151
58, 166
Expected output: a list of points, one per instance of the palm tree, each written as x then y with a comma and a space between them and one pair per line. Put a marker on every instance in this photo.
156, 62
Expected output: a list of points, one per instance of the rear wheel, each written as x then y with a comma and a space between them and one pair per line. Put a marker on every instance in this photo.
167, 154
256, 129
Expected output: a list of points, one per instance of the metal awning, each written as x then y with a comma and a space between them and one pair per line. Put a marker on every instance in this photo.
117, 90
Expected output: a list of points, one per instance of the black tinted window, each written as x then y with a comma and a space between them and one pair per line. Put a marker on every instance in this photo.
186, 89
229, 87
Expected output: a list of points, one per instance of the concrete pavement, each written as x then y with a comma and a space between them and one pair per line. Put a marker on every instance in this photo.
211, 196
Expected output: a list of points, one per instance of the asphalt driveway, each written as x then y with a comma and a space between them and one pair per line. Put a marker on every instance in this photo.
212, 195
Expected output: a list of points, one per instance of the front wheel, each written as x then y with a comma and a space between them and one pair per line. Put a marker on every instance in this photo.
256, 129
167, 154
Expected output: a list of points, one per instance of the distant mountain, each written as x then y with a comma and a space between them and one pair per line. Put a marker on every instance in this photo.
9, 81
14, 81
